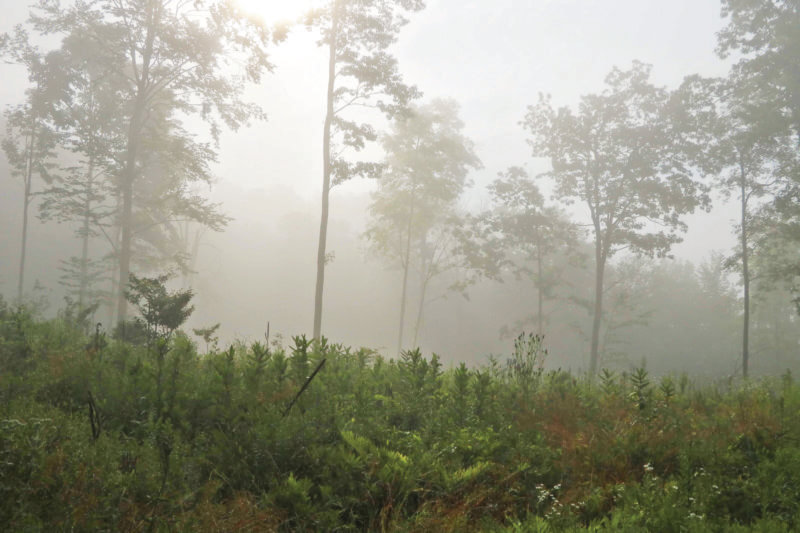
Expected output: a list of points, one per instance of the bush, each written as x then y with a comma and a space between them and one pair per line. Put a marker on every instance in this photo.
171, 440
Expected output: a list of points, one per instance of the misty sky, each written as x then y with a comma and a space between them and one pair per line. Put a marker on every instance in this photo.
493, 57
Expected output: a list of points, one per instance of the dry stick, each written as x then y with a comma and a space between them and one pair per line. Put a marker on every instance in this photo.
303, 388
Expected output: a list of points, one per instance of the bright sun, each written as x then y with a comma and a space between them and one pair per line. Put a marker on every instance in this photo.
278, 10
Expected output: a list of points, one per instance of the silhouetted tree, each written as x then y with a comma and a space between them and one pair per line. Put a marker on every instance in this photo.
89, 117
30, 139
162, 313
173, 58
530, 235
362, 73
739, 143
620, 156
764, 37
427, 162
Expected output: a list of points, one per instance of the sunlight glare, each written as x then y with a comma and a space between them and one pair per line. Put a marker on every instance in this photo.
279, 10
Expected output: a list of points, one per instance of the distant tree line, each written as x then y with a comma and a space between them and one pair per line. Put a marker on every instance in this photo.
639, 158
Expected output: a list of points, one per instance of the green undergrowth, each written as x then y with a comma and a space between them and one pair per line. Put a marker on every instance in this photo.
103, 435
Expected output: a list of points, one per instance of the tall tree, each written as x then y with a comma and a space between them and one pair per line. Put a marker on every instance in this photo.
362, 73
427, 162
764, 39
530, 235
621, 157
742, 146
30, 139
174, 58
89, 117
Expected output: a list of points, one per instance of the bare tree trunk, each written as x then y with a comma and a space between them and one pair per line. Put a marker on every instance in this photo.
25, 205
115, 245
87, 205
745, 278
406, 267
777, 328
539, 281
326, 178
126, 221
600, 260
424, 279
23, 250
420, 311
402, 308
114, 289
193, 257
129, 172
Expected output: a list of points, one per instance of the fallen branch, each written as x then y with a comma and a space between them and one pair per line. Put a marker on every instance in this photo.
303, 388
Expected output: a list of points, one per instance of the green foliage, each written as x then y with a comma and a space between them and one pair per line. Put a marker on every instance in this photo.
634, 178
667, 388
640, 382
197, 443
133, 67
413, 212
526, 366
162, 311
523, 236
207, 334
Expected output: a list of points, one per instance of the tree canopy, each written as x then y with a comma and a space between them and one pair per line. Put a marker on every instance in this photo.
428, 159
169, 59
621, 156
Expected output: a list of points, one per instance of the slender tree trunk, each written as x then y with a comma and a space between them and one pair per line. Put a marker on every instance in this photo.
129, 173
114, 289
745, 278
84, 283
189, 277
776, 332
420, 311
25, 205
600, 265
402, 310
126, 223
23, 250
406, 267
326, 178
87, 205
115, 264
423, 289
539, 282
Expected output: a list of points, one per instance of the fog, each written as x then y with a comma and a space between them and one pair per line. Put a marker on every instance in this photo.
681, 312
